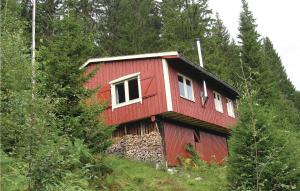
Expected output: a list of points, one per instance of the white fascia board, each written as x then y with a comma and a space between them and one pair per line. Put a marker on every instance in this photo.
128, 57
167, 85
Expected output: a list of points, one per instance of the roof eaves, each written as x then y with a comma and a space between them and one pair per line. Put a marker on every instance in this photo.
207, 73
129, 57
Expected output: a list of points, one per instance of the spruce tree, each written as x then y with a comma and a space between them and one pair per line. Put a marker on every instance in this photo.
64, 83
222, 53
263, 146
273, 63
263, 156
129, 27
182, 23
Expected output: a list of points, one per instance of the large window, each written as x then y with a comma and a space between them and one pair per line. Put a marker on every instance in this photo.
185, 87
218, 102
230, 108
126, 90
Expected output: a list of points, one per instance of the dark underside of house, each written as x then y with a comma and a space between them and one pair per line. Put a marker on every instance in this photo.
162, 140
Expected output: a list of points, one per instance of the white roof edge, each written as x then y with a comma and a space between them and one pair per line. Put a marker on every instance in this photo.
128, 57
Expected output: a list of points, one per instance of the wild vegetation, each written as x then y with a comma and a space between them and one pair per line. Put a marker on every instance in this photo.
56, 141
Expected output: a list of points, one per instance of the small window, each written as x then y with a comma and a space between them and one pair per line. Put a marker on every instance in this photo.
185, 86
230, 108
218, 102
196, 136
126, 90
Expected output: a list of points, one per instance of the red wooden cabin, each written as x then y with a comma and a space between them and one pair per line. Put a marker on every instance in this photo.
163, 92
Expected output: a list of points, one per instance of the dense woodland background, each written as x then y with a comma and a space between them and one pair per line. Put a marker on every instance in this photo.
54, 142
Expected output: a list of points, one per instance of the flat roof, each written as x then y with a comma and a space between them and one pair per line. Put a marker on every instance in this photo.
172, 56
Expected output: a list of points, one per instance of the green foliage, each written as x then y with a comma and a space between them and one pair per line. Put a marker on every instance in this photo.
64, 83
263, 146
129, 27
40, 154
262, 155
12, 173
222, 54
132, 175
297, 99
182, 22
54, 142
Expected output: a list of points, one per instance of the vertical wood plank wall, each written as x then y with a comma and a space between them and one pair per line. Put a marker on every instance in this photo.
152, 83
195, 109
210, 147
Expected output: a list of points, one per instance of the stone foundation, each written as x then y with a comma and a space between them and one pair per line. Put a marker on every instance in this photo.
147, 147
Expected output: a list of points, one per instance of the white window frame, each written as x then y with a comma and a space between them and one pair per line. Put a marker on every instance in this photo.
185, 88
125, 79
230, 108
218, 103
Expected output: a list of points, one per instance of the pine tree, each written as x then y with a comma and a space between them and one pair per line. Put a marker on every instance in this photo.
263, 156
183, 22
129, 27
279, 76
250, 42
64, 84
297, 99
222, 53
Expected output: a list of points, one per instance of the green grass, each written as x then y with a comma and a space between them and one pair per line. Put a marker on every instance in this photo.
138, 176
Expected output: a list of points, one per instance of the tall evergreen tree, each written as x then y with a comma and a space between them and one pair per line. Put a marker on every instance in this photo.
183, 22
273, 63
250, 42
45, 156
129, 27
222, 53
264, 155
64, 83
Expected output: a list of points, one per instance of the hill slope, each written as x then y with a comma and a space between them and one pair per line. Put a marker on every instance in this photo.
132, 175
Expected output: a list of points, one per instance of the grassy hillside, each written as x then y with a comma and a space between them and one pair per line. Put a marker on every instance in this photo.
132, 175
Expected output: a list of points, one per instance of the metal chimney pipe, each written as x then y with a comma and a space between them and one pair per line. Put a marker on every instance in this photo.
199, 52
204, 96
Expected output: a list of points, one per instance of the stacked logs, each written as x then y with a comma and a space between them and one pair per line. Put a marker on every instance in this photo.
147, 147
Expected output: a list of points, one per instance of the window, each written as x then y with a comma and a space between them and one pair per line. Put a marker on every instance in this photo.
126, 90
218, 102
196, 136
230, 108
185, 87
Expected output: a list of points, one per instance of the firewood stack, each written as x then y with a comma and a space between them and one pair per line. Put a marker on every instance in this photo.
147, 147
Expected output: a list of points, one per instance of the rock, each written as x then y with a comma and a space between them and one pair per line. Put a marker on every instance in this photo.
198, 178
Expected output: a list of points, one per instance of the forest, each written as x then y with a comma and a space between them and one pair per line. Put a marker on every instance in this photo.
52, 140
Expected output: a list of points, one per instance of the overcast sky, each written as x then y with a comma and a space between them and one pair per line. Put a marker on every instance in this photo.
279, 20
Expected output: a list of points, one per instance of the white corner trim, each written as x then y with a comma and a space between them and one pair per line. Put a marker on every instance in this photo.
167, 85
127, 57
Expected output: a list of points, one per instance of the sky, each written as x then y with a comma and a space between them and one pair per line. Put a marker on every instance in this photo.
279, 20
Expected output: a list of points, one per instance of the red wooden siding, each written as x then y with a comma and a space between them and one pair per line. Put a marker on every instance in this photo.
152, 84
212, 147
195, 109
176, 136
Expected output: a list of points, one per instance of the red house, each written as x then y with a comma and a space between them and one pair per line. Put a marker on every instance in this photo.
156, 101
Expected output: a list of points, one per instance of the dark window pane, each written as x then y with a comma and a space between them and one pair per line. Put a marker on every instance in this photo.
196, 136
181, 86
120, 93
189, 90
133, 89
